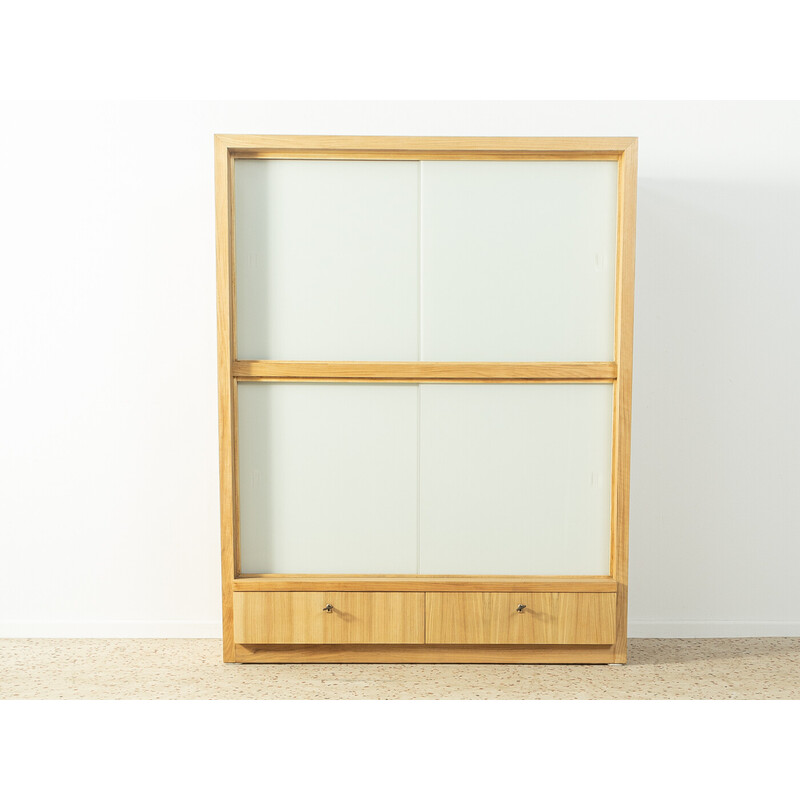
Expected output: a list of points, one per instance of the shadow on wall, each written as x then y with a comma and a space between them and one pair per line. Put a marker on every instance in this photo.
715, 506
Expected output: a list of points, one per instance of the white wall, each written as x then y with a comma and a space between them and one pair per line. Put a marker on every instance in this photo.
108, 481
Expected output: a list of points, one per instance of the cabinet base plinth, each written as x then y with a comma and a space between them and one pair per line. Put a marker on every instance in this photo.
425, 654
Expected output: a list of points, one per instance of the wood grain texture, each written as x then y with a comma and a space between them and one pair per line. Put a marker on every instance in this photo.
423, 654
428, 371
237, 550
626, 251
424, 155
492, 618
356, 618
425, 147
421, 583
222, 172
623, 150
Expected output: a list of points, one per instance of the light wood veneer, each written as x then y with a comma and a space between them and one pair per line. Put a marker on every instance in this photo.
356, 617
570, 620
492, 618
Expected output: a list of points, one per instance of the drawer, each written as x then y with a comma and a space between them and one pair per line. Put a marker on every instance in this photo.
492, 618
356, 618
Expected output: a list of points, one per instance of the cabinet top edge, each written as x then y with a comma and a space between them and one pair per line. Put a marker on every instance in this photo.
589, 144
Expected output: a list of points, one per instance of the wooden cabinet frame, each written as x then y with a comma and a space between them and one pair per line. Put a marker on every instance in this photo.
232, 371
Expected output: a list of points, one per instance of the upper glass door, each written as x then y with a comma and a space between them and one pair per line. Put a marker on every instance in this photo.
327, 260
432, 261
518, 260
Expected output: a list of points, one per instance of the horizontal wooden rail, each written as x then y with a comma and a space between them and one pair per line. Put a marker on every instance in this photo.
427, 371
425, 653
423, 147
426, 155
424, 583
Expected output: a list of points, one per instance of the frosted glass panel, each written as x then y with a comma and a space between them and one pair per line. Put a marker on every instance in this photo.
515, 479
518, 260
328, 478
327, 260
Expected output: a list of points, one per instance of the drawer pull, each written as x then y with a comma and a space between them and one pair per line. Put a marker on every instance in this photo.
521, 607
328, 608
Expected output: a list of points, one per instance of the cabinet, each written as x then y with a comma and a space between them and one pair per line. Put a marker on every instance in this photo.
424, 388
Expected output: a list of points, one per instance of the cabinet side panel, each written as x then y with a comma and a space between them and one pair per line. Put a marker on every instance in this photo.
623, 389
222, 170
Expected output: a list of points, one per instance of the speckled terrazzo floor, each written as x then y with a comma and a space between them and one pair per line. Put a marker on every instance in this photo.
184, 669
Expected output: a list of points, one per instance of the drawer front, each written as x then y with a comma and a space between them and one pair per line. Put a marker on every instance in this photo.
548, 618
356, 618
